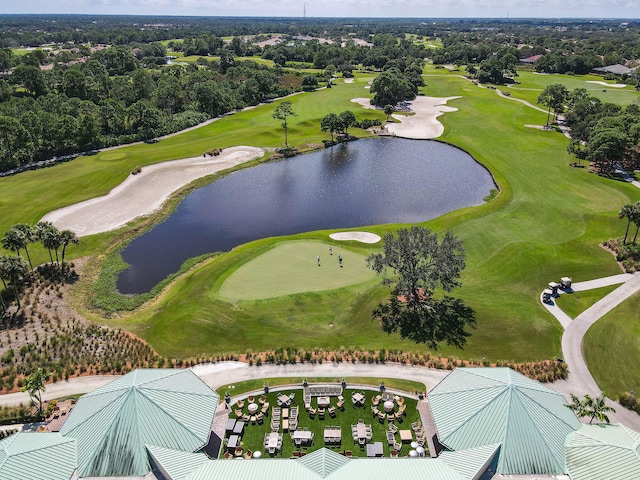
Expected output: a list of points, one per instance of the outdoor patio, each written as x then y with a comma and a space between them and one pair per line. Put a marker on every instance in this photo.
348, 421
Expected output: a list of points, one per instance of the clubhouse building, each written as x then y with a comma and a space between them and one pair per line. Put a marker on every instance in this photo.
158, 424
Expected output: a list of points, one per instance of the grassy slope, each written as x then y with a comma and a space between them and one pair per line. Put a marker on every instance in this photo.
546, 223
531, 85
612, 349
537, 230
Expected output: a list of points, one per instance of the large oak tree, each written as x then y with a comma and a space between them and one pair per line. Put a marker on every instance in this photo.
421, 265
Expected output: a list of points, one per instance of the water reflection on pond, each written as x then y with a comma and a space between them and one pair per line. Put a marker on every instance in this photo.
367, 182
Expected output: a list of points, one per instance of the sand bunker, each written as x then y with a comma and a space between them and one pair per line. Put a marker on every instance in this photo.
348, 80
144, 193
605, 84
424, 124
363, 237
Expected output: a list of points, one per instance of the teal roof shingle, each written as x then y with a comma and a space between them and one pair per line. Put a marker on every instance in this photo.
168, 408
473, 407
37, 456
603, 451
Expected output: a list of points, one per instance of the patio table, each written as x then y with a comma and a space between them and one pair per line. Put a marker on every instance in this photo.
304, 435
323, 401
233, 441
253, 408
231, 423
273, 440
239, 428
405, 436
358, 398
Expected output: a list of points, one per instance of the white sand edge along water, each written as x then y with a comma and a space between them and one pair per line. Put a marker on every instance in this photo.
424, 124
144, 193
364, 237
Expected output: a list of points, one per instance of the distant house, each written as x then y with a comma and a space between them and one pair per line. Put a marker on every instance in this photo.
614, 69
530, 60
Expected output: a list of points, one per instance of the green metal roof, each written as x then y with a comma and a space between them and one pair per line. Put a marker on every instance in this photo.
37, 456
469, 462
473, 407
168, 408
325, 464
603, 451
177, 465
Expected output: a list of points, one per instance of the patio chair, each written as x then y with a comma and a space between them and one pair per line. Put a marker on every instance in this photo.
393, 429
238, 413
381, 417
295, 454
238, 452
312, 413
260, 418
332, 412
227, 456
247, 455
348, 453
375, 401
360, 420
265, 410
251, 399
397, 446
391, 439
246, 417
240, 403
340, 405
272, 450
416, 425
393, 454
321, 413
262, 399
298, 442
340, 398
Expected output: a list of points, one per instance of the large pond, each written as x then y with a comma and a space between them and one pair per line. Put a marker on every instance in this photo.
367, 182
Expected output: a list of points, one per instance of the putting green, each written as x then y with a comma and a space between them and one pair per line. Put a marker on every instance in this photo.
292, 267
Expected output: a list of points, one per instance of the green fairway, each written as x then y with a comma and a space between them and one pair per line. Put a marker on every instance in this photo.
292, 267
612, 349
547, 222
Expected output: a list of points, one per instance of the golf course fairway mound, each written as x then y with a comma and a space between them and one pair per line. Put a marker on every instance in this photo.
292, 267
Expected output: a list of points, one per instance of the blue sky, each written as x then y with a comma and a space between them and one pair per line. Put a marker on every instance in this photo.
337, 8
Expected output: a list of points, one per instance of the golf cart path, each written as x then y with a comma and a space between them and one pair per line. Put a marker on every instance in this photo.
580, 381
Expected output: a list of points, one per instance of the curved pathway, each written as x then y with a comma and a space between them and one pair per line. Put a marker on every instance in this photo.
580, 381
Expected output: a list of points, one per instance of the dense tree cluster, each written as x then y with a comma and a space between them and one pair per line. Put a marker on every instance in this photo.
604, 133
111, 98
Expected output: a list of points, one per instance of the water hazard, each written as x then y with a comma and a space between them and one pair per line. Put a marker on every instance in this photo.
368, 182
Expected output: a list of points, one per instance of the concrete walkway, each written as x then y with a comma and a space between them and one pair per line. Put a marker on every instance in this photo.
580, 381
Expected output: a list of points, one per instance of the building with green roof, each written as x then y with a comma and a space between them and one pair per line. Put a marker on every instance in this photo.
37, 456
113, 424
327, 464
603, 451
473, 407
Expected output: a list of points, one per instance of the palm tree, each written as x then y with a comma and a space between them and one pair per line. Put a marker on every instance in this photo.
29, 237
597, 408
627, 212
635, 218
13, 269
67, 237
34, 385
49, 236
13, 240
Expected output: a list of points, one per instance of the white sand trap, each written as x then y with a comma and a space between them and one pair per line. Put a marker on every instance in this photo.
538, 127
144, 193
348, 80
424, 124
367, 87
364, 103
363, 237
605, 84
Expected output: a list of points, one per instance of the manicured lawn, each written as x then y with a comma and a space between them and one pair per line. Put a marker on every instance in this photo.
612, 349
292, 267
546, 223
573, 304
253, 437
532, 84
